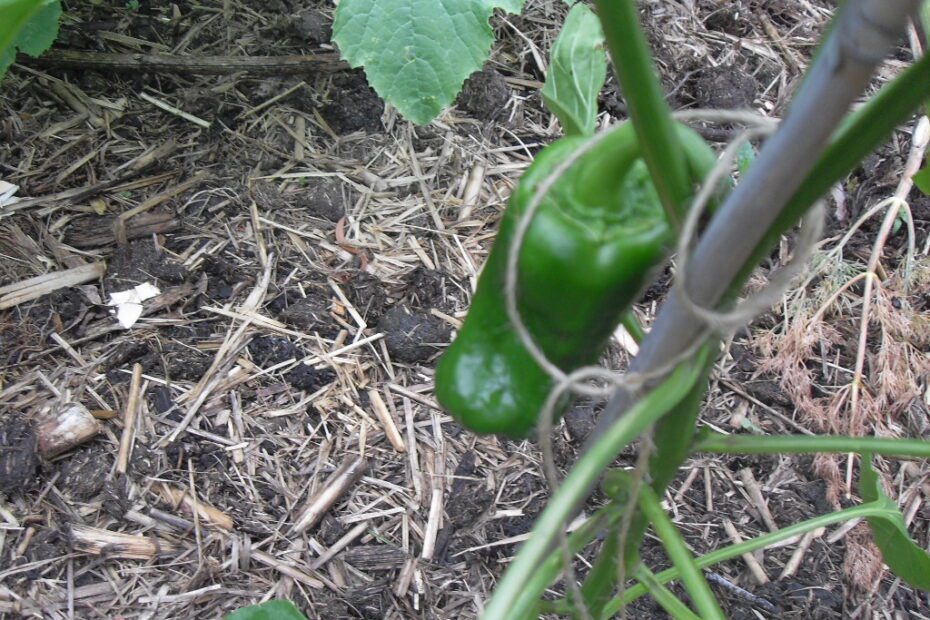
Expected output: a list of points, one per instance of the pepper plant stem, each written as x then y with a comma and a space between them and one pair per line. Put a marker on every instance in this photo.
663, 596
651, 116
808, 444
872, 509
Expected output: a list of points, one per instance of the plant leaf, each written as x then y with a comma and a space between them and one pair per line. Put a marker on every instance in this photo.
903, 557
272, 610
28, 25
417, 53
577, 70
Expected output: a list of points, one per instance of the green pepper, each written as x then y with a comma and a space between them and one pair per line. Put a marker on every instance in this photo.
586, 257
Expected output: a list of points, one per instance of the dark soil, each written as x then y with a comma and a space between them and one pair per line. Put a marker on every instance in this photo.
353, 105
728, 17
223, 277
725, 87
304, 377
311, 314
141, 261
323, 198
18, 456
484, 95
312, 26
413, 336
271, 350
367, 294
469, 497
179, 363
47, 544
267, 196
56, 311
581, 421
80, 473
430, 288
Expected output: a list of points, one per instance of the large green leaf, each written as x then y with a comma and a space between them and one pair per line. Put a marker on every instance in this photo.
903, 557
28, 25
417, 53
272, 610
577, 70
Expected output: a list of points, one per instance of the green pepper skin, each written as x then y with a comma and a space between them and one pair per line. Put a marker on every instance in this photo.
585, 259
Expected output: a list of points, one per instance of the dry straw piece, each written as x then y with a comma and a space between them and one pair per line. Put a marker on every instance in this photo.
97, 541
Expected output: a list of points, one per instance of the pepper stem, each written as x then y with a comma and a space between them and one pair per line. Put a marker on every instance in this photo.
650, 114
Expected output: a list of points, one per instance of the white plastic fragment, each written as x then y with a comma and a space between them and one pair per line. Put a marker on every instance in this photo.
128, 303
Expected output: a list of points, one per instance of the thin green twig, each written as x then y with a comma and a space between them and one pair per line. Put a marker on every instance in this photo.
808, 444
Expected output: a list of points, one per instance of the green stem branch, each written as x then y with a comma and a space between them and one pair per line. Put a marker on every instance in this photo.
651, 116
807, 444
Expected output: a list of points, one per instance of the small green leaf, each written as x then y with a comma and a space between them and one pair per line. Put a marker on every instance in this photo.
30, 26
922, 180
577, 70
272, 610
903, 557
40, 31
417, 53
